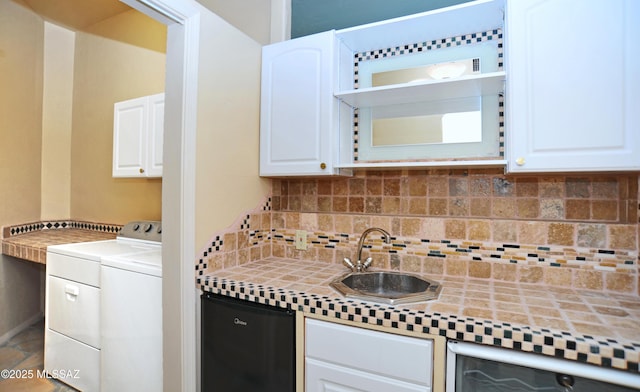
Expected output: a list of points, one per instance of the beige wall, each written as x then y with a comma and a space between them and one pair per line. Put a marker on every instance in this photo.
56, 127
109, 70
132, 28
256, 24
227, 150
222, 176
57, 105
265, 21
21, 58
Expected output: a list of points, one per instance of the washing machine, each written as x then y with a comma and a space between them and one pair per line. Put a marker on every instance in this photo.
73, 339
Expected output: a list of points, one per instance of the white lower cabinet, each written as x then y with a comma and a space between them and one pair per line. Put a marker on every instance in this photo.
327, 377
341, 358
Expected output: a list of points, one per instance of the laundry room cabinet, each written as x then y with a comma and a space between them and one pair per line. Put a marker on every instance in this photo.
138, 131
573, 89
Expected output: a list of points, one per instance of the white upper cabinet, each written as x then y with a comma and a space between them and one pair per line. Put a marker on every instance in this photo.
573, 91
156, 135
138, 130
319, 106
425, 89
298, 110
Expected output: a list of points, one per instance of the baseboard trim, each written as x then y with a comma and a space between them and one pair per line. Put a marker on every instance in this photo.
21, 327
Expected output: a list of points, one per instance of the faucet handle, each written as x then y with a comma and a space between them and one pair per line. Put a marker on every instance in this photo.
349, 264
366, 263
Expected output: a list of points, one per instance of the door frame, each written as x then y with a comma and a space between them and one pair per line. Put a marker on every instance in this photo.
182, 18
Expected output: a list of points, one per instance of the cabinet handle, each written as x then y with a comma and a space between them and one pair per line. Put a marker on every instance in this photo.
141, 170
520, 161
71, 292
323, 166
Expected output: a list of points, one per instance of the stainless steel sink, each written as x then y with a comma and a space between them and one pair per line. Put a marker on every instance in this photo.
386, 287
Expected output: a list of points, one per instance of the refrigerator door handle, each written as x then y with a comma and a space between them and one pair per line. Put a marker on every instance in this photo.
534, 361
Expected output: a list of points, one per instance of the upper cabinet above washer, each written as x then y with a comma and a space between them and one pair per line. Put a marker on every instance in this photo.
138, 131
573, 94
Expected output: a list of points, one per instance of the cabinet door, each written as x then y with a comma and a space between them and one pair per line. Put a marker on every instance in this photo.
156, 135
327, 377
138, 131
573, 88
129, 137
75, 310
378, 354
298, 134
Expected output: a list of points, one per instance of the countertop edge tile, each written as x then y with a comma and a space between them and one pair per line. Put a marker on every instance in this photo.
239, 282
31, 243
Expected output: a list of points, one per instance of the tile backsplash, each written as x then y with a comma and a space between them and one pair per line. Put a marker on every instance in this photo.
562, 230
482, 194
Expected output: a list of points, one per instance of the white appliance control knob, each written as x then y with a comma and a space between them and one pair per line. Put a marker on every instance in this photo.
136, 227
147, 227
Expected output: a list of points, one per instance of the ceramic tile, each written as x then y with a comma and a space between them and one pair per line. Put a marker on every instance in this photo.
623, 236
30, 243
25, 351
563, 314
570, 260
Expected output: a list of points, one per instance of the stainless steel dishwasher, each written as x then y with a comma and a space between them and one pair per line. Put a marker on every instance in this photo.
246, 346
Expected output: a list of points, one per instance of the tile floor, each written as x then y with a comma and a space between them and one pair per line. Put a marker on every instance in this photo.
25, 351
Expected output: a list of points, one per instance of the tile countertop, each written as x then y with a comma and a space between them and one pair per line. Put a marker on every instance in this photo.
587, 326
32, 246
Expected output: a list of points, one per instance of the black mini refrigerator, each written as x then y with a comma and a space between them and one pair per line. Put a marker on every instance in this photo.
246, 346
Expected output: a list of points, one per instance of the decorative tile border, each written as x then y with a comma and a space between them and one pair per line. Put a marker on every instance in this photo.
62, 224
403, 50
584, 348
553, 256
602, 270
255, 236
96, 227
241, 242
249, 234
30, 241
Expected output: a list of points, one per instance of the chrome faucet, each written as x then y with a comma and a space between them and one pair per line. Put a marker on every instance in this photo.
360, 266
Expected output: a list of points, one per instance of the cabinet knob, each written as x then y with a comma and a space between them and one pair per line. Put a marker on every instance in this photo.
141, 170
323, 166
520, 161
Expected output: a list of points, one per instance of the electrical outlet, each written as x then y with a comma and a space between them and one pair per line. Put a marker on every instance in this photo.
301, 240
